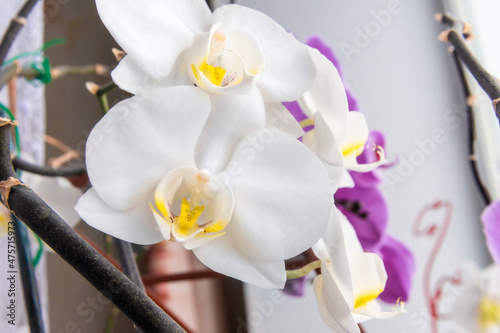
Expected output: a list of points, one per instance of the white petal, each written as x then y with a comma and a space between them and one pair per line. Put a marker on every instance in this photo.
136, 225
347, 180
353, 246
231, 119
142, 138
368, 274
58, 193
356, 134
282, 196
199, 240
321, 142
373, 310
333, 308
336, 256
248, 48
289, 70
221, 255
163, 225
279, 118
131, 78
327, 96
154, 33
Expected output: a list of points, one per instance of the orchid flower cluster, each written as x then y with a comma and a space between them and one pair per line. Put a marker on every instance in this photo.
205, 154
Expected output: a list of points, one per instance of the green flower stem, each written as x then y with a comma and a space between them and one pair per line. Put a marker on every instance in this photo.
297, 273
103, 103
39, 252
106, 88
57, 234
110, 323
108, 244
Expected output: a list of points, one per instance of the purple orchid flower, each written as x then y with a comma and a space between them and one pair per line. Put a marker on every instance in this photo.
366, 209
295, 287
372, 178
400, 267
491, 224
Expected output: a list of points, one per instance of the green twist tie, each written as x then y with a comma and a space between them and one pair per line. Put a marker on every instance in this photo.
43, 70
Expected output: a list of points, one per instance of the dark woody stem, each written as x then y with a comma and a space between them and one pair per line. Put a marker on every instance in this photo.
126, 258
64, 171
487, 81
57, 234
28, 278
15, 26
471, 133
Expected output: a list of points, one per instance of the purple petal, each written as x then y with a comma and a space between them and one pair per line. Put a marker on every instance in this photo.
491, 224
295, 110
366, 209
400, 267
352, 102
295, 287
369, 155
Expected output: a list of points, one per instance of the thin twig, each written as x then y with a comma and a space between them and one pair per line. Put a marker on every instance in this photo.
8, 72
106, 88
64, 171
58, 235
15, 26
487, 81
471, 133
452, 22
161, 278
61, 71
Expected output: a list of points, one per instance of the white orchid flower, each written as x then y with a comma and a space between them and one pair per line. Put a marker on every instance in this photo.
230, 51
339, 136
477, 308
351, 280
242, 58
153, 179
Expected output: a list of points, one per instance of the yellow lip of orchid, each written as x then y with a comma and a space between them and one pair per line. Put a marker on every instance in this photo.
225, 61
353, 148
192, 205
214, 74
186, 221
362, 299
